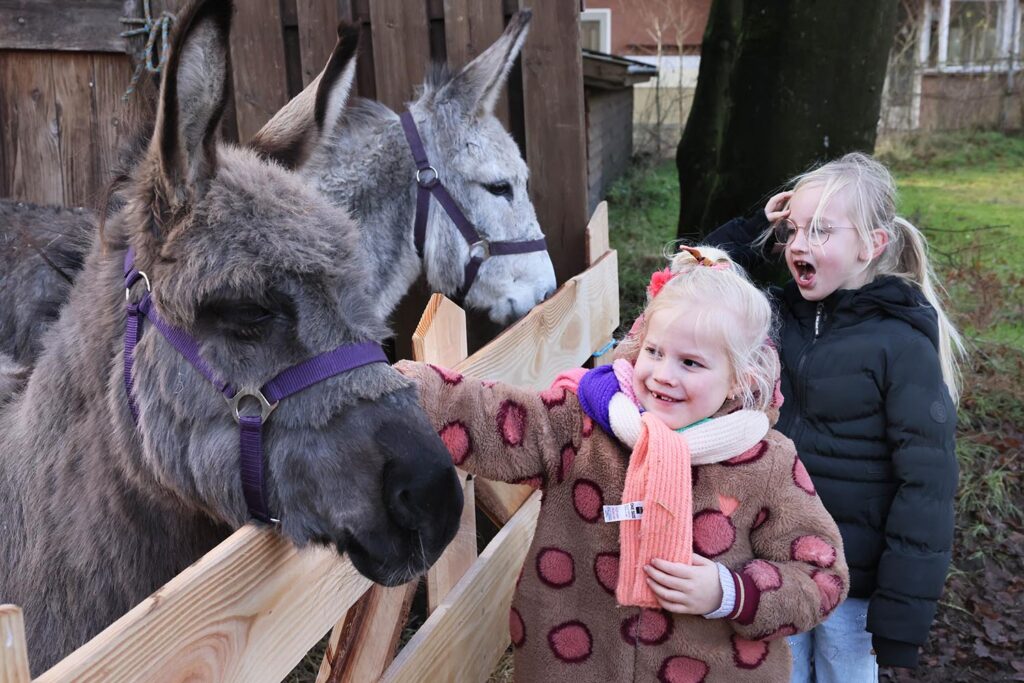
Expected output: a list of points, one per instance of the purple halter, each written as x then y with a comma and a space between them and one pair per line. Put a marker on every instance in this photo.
288, 382
429, 183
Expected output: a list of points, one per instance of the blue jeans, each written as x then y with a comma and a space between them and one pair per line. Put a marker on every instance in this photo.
838, 650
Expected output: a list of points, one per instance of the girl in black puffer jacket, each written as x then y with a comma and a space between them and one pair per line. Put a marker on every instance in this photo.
870, 382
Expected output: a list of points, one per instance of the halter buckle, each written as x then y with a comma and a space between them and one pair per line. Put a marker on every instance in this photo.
128, 289
483, 246
431, 181
266, 407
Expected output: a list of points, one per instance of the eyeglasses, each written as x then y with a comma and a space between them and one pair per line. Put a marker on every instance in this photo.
785, 232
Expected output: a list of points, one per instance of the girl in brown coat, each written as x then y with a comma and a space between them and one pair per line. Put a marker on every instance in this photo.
680, 538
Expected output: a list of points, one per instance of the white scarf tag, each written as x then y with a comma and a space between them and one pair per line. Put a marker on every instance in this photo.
626, 511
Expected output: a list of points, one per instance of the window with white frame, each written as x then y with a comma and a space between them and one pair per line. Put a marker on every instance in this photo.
596, 30
971, 35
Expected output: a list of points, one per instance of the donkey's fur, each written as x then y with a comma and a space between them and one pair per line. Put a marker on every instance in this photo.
96, 511
477, 160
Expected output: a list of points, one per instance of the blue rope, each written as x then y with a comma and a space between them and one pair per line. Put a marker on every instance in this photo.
147, 59
605, 349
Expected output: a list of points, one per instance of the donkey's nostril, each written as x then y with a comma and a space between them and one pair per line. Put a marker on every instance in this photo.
403, 510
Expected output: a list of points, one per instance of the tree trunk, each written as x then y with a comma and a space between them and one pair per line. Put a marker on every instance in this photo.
782, 86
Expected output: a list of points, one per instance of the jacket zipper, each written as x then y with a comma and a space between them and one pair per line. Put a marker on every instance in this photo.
797, 423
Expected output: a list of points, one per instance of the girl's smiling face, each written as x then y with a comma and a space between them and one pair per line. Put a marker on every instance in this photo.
683, 374
842, 262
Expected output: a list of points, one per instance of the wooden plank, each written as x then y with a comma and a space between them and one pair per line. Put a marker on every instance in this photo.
318, 23
468, 632
364, 642
555, 132
558, 334
53, 25
30, 127
72, 84
597, 234
13, 648
460, 554
249, 610
470, 26
401, 48
440, 337
258, 64
111, 75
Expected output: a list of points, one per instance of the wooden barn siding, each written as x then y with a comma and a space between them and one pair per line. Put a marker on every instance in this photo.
609, 139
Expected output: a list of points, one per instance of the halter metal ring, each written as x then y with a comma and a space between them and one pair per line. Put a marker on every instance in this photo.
266, 407
433, 180
128, 290
484, 246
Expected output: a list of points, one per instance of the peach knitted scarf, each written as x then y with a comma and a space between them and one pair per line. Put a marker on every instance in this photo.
659, 474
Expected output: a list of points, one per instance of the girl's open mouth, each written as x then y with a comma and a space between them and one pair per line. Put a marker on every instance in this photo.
663, 397
804, 273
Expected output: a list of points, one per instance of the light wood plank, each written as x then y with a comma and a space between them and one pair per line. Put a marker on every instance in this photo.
467, 634
440, 337
460, 554
249, 610
258, 64
364, 642
555, 131
13, 648
401, 48
597, 234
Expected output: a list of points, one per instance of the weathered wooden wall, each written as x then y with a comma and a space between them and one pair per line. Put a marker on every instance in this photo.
63, 70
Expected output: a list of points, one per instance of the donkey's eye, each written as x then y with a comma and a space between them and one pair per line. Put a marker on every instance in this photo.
246, 321
500, 189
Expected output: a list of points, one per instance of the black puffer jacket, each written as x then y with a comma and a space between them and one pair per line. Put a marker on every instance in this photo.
874, 424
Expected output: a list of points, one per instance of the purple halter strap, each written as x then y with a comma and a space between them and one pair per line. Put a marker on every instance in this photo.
288, 382
428, 182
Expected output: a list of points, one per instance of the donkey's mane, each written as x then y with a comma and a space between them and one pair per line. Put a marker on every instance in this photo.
362, 114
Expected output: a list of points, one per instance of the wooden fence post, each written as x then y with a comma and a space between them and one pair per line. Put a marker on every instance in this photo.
13, 648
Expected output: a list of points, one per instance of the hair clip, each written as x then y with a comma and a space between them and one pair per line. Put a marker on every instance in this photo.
658, 280
703, 260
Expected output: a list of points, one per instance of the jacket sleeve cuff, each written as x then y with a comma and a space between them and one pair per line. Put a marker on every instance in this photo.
748, 596
728, 593
894, 652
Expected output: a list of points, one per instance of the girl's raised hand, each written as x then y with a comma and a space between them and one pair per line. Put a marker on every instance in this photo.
775, 209
684, 588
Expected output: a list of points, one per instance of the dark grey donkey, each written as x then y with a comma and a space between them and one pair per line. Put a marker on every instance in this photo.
360, 156
98, 510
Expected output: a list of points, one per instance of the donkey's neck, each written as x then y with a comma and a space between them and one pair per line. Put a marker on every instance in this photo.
82, 516
376, 184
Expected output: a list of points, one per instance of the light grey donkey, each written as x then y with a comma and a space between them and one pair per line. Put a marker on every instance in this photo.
97, 510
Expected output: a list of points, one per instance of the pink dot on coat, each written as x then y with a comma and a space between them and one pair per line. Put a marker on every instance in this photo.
765, 575
783, 631
682, 670
713, 533
449, 376
571, 642
831, 588
761, 518
606, 571
748, 654
588, 499
553, 396
512, 422
588, 426
534, 482
814, 550
777, 398
802, 478
568, 456
456, 437
555, 567
516, 627
650, 627
748, 456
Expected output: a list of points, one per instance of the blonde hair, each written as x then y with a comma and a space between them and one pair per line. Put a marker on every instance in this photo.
870, 194
746, 333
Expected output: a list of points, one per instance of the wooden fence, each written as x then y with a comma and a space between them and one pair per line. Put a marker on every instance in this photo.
63, 71
252, 608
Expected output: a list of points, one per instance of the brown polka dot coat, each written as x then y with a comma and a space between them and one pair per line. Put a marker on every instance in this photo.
757, 514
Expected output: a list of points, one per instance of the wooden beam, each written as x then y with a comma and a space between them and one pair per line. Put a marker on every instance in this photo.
468, 632
249, 610
460, 554
597, 234
318, 23
470, 26
556, 150
401, 48
54, 25
13, 649
440, 337
258, 64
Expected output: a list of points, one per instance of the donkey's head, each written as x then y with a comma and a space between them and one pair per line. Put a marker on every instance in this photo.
475, 158
262, 273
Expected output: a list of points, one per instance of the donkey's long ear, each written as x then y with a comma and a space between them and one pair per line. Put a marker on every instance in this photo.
312, 115
193, 96
477, 86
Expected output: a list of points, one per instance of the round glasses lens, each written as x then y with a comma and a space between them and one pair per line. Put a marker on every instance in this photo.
785, 231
